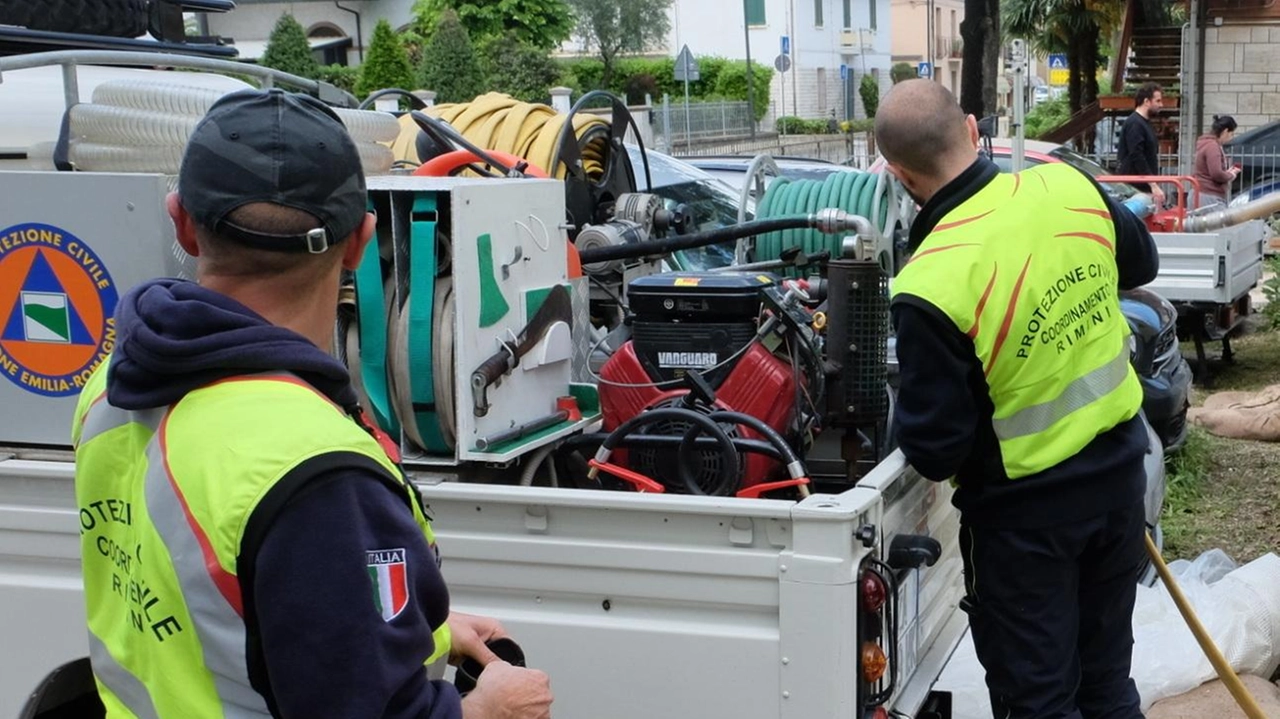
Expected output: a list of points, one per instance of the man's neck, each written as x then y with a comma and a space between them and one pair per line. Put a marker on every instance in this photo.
950, 170
1144, 112
311, 313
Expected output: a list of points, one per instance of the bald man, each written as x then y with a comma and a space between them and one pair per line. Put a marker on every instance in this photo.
1017, 385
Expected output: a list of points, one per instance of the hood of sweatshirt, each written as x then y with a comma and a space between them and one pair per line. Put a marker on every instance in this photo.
1204, 140
175, 336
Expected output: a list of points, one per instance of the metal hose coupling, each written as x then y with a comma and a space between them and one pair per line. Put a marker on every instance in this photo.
834, 221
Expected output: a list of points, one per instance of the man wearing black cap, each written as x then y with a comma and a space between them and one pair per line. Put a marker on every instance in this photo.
266, 555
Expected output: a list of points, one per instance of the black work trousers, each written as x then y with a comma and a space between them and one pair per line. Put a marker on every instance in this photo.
1051, 612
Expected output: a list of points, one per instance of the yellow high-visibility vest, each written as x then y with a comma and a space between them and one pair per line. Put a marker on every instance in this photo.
165, 496
1026, 267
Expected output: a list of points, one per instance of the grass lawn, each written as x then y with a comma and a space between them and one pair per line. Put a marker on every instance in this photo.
1225, 493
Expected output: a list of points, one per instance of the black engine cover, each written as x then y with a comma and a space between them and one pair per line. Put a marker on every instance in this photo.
693, 320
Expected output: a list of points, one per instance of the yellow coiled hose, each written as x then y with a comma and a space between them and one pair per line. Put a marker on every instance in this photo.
496, 121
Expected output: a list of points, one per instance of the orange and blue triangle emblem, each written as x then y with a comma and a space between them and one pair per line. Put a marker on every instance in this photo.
44, 312
57, 305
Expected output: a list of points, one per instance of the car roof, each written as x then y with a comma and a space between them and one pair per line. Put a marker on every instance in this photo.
665, 169
1267, 138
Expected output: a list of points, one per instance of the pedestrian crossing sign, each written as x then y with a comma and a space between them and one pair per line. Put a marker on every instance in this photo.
1057, 61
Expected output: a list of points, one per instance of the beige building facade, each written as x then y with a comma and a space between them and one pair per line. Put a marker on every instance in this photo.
915, 42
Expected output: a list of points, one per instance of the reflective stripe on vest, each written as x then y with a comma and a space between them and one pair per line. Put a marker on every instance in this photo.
1082, 391
1026, 269
211, 595
119, 681
171, 640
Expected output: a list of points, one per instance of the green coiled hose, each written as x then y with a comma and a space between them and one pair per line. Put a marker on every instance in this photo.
853, 192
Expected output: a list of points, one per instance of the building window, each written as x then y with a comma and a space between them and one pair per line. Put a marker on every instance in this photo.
755, 12
817, 12
871, 8
848, 14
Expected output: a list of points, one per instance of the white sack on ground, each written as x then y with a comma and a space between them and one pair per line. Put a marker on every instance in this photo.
1239, 606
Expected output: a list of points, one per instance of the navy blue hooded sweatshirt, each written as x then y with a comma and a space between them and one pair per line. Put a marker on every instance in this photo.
318, 645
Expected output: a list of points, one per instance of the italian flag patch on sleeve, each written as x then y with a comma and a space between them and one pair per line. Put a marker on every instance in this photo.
387, 571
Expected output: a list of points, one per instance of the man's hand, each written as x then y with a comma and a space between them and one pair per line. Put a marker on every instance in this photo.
507, 692
1157, 194
470, 633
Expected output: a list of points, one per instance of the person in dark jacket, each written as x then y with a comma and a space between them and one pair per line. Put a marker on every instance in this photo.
1212, 170
1016, 385
336, 589
1138, 151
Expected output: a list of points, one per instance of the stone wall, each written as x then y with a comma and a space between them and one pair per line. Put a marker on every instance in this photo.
1242, 73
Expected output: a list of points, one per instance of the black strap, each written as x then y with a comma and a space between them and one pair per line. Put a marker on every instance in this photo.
62, 150
313, 241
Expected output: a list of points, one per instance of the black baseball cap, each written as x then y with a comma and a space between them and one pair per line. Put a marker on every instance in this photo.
273, 146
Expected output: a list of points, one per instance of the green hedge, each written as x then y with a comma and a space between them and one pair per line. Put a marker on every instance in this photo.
799, 126
719, 79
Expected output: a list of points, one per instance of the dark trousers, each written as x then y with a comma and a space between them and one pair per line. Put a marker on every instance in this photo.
1051, 613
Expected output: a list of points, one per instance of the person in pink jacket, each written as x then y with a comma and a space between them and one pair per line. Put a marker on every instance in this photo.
1211, 168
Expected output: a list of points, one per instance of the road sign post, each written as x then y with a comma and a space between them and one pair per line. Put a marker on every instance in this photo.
782, 63
844, 85
687, 70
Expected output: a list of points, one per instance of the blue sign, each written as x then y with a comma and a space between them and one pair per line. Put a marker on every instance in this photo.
844, 72
1057, 61
786, 44
924, 69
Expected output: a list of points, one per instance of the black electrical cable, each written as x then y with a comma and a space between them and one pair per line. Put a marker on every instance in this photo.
729, 470
666, 246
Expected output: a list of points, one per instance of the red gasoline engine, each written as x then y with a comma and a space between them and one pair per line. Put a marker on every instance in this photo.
696, 344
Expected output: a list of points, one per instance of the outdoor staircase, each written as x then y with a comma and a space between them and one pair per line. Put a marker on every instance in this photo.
1157, 56
1150, 55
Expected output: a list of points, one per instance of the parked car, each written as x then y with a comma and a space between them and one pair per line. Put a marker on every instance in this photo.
732, 168
1258, 154
712, 202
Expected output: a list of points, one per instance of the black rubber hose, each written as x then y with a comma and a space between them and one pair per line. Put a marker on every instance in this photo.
729, 470
666, 246
668, 441
770, 434
415, 102
684, 458
444, 133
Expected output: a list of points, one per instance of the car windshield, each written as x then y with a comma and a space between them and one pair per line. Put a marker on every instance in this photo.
713, 202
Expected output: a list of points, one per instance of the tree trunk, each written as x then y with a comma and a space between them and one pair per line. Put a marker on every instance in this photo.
1089, 76
1075, 69
980, 31
991, 58
606, 74
1089, 63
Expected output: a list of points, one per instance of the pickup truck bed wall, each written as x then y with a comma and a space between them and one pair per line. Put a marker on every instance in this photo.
649, 605
1210, 267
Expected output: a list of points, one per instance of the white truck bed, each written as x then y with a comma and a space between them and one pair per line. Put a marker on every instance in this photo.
650, 605
1210, 267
